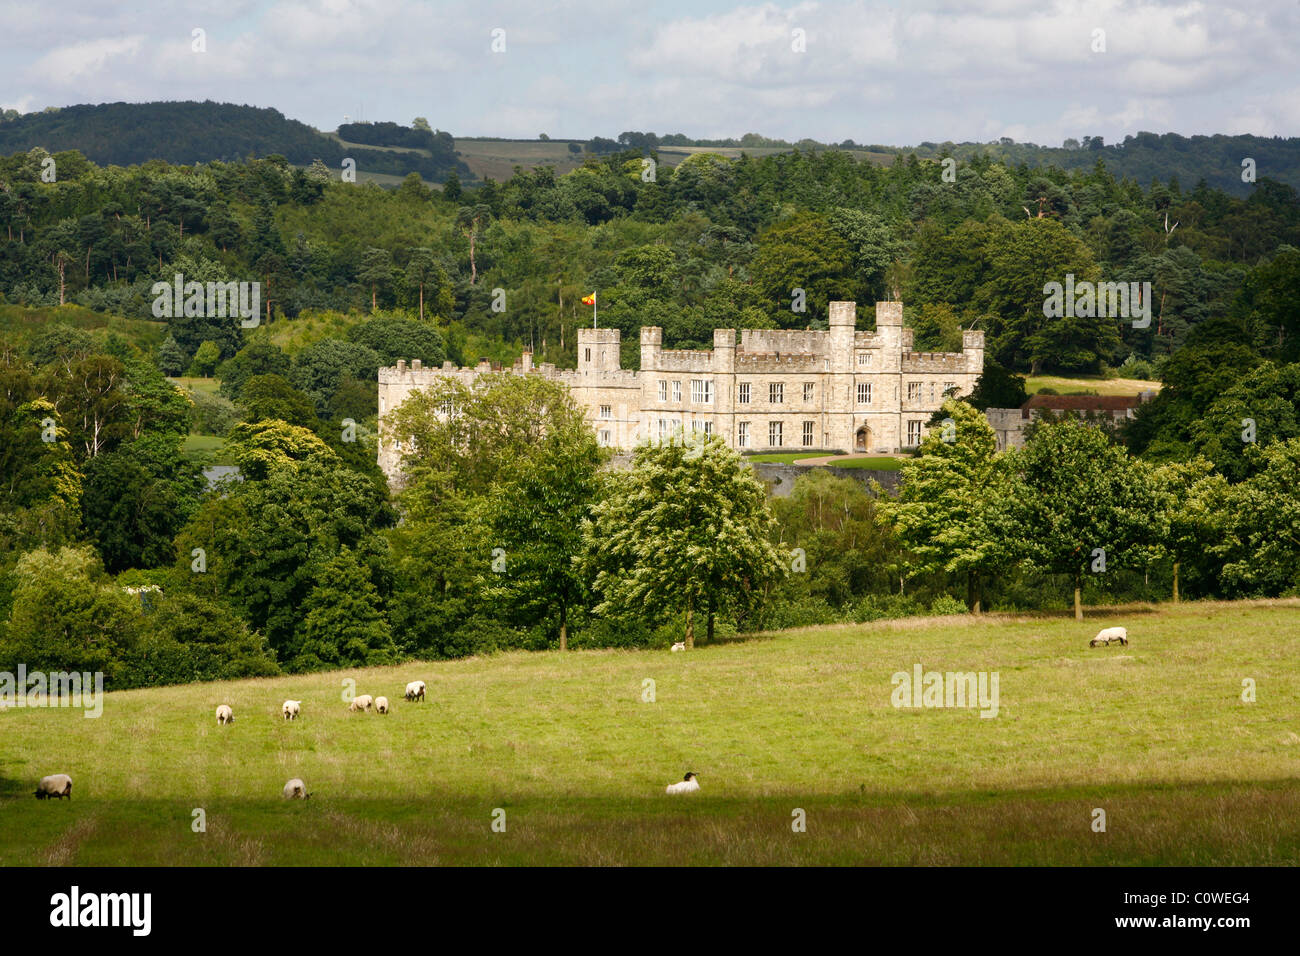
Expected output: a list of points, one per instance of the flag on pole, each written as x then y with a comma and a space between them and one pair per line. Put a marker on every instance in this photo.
591, 301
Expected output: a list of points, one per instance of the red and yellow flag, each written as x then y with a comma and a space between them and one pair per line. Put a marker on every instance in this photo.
589, 299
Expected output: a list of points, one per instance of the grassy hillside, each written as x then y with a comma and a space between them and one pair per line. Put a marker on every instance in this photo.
1155, 733
22, 323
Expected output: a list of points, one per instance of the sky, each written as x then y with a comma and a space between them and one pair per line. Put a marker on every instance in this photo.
879, 71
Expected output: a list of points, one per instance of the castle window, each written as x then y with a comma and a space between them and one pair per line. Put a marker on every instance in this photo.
744, 393
807, 391
914, 433
864, 393
864, 359
808, 434
588, 351
701, 391
775, 392
663, 427
913, 391
677, 391
708, 428
663, 390
603, 436
606, 411
932, 391
774, 434
949, 387
742, 435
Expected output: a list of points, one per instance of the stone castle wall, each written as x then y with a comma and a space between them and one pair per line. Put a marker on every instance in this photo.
771, 391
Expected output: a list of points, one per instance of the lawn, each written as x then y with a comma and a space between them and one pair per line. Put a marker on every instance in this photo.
1089, 386
577, 757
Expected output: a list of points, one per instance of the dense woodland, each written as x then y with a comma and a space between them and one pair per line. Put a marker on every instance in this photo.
309, 561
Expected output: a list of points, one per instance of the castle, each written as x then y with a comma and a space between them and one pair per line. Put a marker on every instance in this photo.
776, 391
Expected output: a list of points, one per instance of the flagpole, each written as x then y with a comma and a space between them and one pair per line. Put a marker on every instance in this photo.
593, 310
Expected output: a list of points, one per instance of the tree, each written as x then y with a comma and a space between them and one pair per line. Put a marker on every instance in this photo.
421, 270
1079, 503
536, 516
343, 624
471, 221
205, 360
67, 616
997, 387
1265, 516
949, 511
264, 397
685, 529
804, 252
171, 357
376, 270
257, 358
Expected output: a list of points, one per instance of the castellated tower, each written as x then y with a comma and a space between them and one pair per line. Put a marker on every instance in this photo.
598, 350
972, 346
889, 330
838, 370
652, 340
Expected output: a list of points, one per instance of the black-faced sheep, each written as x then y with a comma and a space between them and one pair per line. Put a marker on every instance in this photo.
415, 690
1108, 634
381, 705
291, 709
295, 789
55, 786
688, 784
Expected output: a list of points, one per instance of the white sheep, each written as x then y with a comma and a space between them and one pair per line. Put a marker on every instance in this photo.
55, 786
688, 784
415, 690
1108, 634
291, 709
381, 705
364, 702
295, 789
679, 646
225, 715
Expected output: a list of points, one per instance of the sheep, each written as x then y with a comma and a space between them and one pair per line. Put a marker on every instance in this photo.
688, 784
225, 715
679, 646
295, 789
291, 709
415, 690
55, 786
381, 705
1108, 634
364, 702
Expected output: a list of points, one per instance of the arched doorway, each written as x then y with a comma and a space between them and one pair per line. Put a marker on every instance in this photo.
862, 440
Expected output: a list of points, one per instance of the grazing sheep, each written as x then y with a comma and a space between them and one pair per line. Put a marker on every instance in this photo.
55, 786
295, 789
688, 784
225, 715
291, 709
679, 646
1108, 634
364, 702
415, 690
381, 705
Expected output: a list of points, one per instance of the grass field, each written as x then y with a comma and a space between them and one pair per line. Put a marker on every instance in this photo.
1085, 386
1155, 733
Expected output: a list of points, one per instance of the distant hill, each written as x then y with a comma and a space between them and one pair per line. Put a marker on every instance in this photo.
123, 134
